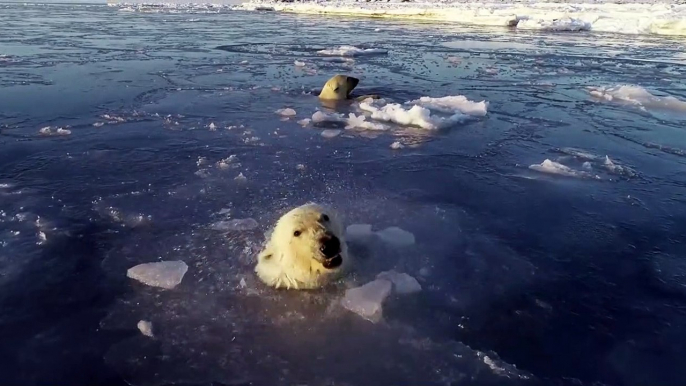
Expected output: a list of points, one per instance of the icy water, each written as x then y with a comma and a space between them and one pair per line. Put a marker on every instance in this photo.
126, 136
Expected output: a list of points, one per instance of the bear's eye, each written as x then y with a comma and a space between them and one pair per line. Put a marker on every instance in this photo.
325, 217
296, 233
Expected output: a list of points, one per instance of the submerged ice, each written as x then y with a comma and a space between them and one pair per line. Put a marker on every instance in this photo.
163, 274
367, 300
638, 97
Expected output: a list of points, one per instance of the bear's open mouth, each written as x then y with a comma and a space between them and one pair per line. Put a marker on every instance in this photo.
333, 262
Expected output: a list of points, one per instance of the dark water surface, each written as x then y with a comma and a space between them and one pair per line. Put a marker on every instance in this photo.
528, 278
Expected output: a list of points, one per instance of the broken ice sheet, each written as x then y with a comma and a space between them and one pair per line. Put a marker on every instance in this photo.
145, 328
396, 236
358, 232
243, 224
163, 274
402, 282
367, 300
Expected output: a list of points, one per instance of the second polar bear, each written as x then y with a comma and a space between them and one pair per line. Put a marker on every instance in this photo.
306, 249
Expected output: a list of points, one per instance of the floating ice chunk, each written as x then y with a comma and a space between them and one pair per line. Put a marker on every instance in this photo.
397, 145
244, 224
287, 112
360, 122
99, 124
163, 274
320, 116
452, 104
201, 161
59, 131
396, 236
212, 126
587, 166
637, 96
416, 115
304, 122
562, 24
330, 133
553, 167
358, 232
367, 300
226, 162
617, 169
352, 51
42, 238
393, 112
402, 282
578, 153
299, 63
113, 118
145, 328
240, 178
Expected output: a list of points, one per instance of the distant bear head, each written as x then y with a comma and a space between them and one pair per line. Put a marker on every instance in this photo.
306, 248
338, 87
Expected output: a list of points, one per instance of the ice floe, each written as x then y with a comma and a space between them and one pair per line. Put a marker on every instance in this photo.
626, 17
162, 274
427, 113
639, 97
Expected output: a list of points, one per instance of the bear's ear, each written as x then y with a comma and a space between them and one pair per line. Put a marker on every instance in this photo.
266, 254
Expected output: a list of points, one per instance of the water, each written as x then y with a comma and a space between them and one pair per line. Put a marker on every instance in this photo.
527, 278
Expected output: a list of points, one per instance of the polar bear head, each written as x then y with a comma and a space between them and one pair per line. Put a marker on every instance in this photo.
305, 250
338, 87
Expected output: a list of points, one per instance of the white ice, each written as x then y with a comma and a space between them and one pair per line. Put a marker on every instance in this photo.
163, 274
286, 112
367, 300
627, 17
396, 236
330, 133
639, 97
145, 328
452, 104
552, 167
351, 51
614, 168
562, 24
397, 145
361, 122
455, 108
48, 130
358, 232
402, 282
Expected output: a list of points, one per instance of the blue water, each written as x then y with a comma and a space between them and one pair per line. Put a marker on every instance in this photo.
528, 278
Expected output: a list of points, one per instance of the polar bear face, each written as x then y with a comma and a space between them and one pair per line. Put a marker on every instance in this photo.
306, 249
338, 87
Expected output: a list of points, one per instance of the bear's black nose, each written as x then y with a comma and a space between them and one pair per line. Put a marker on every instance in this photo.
330, 245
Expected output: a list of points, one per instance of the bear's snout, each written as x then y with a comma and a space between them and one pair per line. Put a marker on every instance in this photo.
330, 245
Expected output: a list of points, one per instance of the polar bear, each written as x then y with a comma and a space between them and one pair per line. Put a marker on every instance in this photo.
339, 87
306, 249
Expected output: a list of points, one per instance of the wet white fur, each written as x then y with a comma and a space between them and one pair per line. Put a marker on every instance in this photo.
336, 88
294, 262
